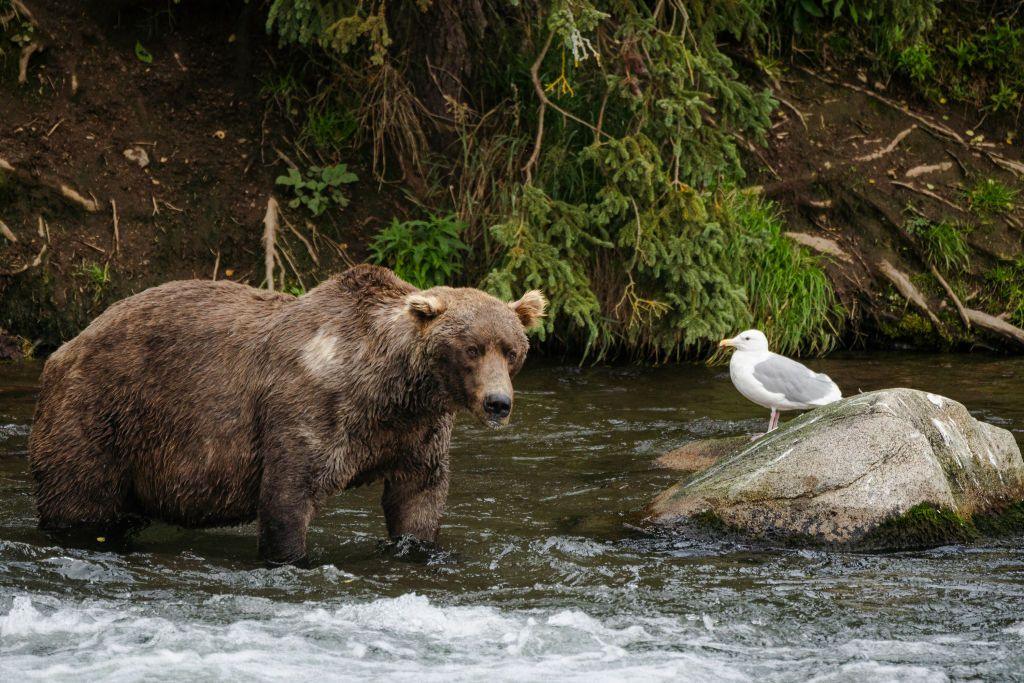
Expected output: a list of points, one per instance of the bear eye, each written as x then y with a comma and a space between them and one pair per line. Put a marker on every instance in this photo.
473, 351
512, 355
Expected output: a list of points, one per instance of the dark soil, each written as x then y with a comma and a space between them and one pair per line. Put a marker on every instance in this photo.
211, 140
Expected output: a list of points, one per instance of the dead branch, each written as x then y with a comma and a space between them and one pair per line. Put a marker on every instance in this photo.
270, 241
908, 290
216, 266
888, 148
997, 325
929, 193
952, 295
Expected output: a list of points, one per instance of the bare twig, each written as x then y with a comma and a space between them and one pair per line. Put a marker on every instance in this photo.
216, 265
117, 231
270, 226
888, 148
309, 247
54, 185
952, 295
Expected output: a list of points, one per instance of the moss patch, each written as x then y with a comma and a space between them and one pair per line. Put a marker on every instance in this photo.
922, 526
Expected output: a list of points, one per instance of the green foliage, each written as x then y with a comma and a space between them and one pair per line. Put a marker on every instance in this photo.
1006, 290
328, 128
943, 242
142, 54
319, 188
989, 197
425, 253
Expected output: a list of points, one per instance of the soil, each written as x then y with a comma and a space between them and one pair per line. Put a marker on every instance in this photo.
212, 140
197, 208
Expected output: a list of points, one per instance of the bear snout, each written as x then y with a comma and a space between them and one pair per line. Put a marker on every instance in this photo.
497, 406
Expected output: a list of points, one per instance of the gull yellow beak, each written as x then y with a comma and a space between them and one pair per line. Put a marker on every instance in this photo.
725, 342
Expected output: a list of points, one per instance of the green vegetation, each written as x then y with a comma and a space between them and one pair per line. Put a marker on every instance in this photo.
1006, 290
943, 242
320, 188
424, 253
989, 196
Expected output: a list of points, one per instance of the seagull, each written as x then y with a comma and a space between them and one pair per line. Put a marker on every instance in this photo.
774, 381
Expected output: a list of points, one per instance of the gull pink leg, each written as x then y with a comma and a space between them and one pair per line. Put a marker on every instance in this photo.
773, 422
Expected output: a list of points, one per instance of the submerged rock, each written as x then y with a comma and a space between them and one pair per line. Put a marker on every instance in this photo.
893, 468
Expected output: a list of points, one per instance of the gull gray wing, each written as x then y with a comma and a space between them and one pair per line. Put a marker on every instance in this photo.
798, 383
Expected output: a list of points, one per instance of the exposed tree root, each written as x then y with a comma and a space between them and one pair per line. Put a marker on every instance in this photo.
270, 225
908, 291
52, 184
888, 149
997, 325
26, 53
952, 295
929, 193
34, 264
6, 232
822, 245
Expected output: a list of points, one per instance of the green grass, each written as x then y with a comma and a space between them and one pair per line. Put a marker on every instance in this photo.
989, 197
1006, 290
944, 242
789, 295
328, 128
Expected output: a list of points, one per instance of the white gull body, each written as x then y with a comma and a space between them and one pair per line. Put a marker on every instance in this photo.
774, 381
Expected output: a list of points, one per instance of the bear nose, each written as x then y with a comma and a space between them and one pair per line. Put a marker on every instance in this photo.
498, 405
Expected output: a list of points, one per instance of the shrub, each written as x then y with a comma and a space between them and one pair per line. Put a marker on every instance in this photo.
319, 188
425, 253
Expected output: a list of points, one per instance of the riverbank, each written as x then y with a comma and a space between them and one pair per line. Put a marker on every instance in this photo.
169, 128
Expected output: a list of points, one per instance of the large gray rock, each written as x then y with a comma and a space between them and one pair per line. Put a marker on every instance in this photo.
858, 467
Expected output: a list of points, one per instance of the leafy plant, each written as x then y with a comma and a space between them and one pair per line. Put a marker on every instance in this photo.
328, 128
943, 242
426, 253
142, 54
1006, 290
990, 196
319, 188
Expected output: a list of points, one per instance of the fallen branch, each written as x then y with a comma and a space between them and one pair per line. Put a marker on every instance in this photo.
997, 325
270, 225
952, 295
888, 148
908, 291
309, 247
929, 193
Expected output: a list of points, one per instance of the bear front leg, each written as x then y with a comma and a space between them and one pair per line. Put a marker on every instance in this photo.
285, 510
414, 502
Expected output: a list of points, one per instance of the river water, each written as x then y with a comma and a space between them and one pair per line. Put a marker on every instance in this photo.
545, 571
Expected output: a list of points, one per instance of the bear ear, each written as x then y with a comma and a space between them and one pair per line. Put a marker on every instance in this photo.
424, 307
530, 308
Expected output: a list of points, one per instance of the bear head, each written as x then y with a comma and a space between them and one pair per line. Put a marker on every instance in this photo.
475, 344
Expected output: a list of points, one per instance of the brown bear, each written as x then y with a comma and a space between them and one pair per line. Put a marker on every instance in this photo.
206, 403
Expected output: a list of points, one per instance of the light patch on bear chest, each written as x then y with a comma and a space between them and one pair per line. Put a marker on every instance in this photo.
319, 352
